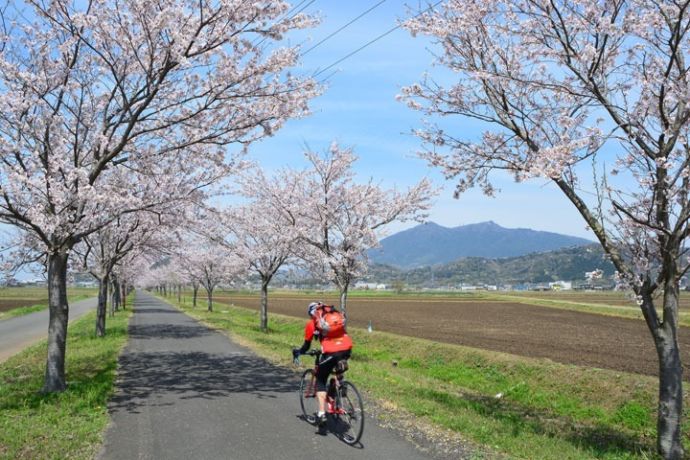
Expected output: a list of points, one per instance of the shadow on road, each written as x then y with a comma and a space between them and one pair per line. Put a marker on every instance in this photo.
168, 331
148, 310
195, 375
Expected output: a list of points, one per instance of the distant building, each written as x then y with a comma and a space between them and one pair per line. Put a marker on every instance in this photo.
366, 286
86, 283
561, 286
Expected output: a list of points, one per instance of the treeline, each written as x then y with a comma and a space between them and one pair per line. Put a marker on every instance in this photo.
568, 264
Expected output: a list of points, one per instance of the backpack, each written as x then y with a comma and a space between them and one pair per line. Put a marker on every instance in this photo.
330, 321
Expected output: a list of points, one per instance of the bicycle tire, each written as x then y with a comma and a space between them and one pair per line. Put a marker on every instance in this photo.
307, 396
351, 421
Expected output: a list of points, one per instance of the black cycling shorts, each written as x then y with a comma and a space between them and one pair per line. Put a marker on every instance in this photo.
326, 364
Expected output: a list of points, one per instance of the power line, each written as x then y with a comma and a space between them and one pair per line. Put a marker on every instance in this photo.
328, 77
372, 41
356, 51
286, 14
293, 9
301, 9
343, 27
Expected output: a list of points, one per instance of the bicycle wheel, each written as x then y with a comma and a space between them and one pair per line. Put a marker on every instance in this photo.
350, 424
307, 396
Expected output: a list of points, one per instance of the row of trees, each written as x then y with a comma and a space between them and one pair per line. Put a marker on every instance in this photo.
317, 219
119, 115
122, 118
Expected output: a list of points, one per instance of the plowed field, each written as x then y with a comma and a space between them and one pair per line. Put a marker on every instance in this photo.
15, 297
560, 335
10, 304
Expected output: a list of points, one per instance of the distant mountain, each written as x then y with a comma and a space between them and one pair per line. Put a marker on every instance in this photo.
430, 244
569, 264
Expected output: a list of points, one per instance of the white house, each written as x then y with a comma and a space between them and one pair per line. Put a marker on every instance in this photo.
366, 286
561, 286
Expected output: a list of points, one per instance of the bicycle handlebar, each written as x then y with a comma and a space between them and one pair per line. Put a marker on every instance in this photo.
296, 361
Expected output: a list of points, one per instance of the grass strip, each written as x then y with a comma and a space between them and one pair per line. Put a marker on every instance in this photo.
522, 407
67, 425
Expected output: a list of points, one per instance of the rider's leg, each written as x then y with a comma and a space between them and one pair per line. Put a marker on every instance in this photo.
321, 396
326, 364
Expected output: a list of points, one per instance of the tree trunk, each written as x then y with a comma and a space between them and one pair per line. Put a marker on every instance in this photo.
115, 297
669, 441
670, 400
123, 295
264, 305
57, 324
102, 306
179, 293
209, 293
343, 300
195, 289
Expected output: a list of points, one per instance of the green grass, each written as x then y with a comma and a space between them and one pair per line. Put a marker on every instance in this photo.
41, 296
69, 424
521, 407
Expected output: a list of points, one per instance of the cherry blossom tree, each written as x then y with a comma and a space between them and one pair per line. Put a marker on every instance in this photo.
187, 270
132, 267
112, 107
564, 85
105, 249
155, 277
258, 235
337, 220
208, 262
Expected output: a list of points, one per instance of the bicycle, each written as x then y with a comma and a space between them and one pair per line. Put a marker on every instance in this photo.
343, 401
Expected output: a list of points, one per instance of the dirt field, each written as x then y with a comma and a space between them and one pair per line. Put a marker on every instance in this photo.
10, 304
560, 335
15, 297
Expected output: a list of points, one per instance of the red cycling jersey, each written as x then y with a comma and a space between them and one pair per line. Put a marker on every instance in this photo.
328, 344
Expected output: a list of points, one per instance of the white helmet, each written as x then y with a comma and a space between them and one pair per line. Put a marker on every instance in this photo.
312, 308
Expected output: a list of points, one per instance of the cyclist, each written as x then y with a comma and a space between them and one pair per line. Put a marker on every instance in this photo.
334, 347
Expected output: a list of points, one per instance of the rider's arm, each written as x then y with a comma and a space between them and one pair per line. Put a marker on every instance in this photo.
308, 336
305, 347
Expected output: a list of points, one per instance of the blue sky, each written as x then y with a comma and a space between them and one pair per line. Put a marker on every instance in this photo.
359, 109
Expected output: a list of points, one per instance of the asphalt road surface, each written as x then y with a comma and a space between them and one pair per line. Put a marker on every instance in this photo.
22, 331
187, 392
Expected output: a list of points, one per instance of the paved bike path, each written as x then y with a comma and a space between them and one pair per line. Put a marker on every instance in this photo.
20, 332
187, 392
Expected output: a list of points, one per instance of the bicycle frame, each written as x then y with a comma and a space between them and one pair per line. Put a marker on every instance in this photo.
343, 401
333, 405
